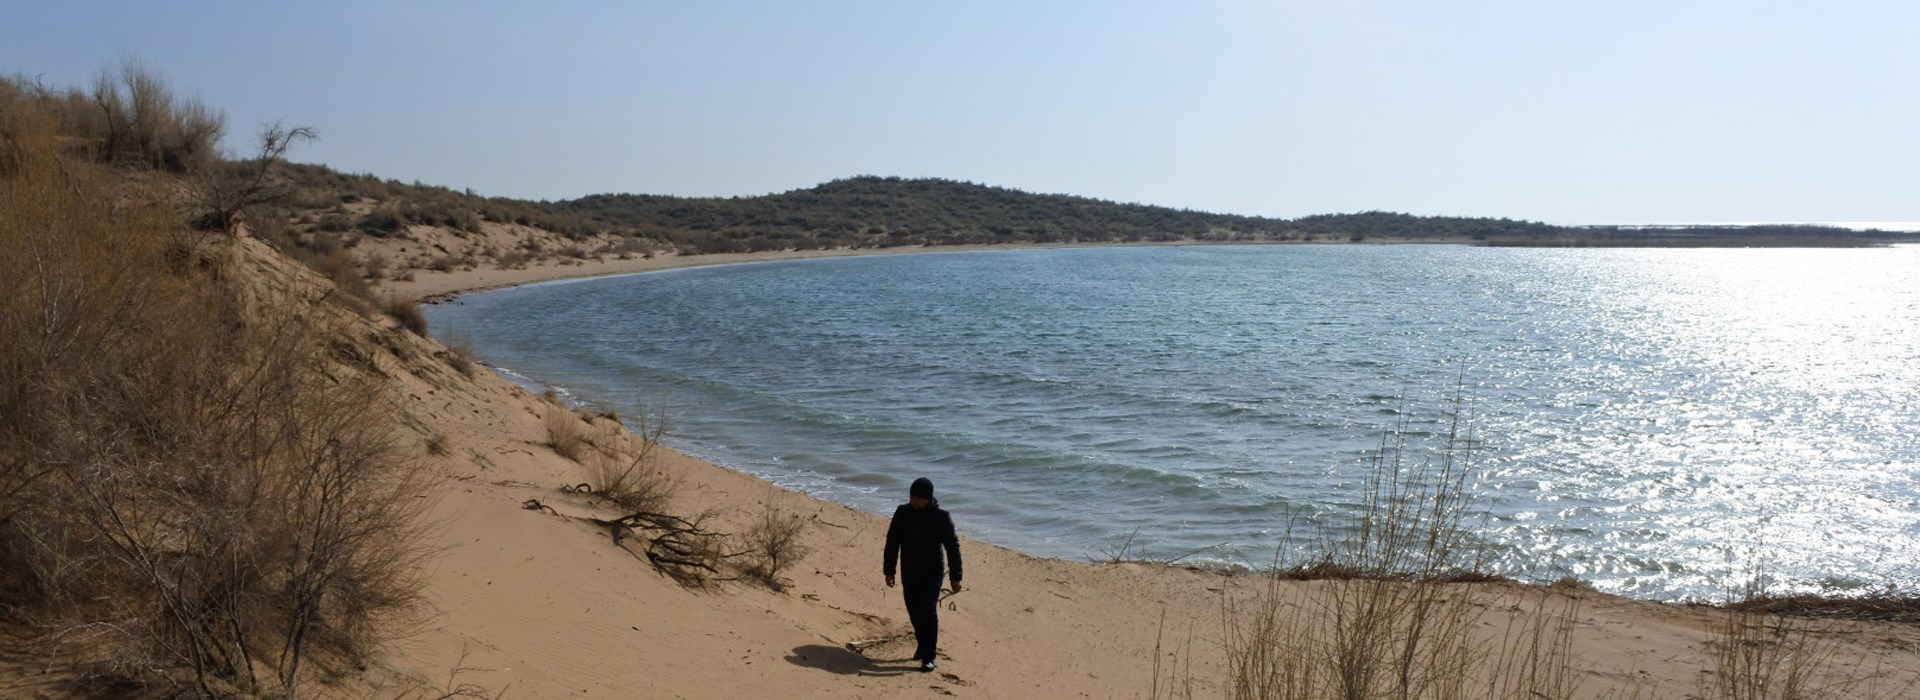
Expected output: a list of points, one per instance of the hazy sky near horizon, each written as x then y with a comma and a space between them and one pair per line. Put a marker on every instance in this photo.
1567, 112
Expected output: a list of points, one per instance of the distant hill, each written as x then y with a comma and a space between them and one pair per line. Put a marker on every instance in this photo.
879, 212
868, 212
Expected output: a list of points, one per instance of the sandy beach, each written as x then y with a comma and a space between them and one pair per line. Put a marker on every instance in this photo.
533, 599
431, 285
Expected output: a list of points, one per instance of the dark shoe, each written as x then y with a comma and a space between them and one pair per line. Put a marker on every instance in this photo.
926, 666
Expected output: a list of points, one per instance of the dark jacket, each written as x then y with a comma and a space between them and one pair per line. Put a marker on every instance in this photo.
915, 540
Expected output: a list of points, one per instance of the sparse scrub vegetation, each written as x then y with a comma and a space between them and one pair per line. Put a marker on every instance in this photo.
629, 472
1758, 653
1391, 610
406, 311
374, 267
1401, 607
566, 432
772, 545
194, 497
130, 118
459, 356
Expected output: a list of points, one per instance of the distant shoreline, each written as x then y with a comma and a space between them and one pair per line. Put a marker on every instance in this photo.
431, 287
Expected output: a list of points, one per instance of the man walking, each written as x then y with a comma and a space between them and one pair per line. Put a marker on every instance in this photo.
916, 538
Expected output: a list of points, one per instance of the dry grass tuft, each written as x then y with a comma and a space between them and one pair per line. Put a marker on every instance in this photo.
1760, 653
1390, 609
566, 433
406, 311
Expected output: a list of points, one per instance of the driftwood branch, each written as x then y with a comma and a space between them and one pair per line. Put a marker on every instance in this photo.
679, 547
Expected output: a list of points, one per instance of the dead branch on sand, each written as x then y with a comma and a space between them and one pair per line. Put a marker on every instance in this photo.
681, 548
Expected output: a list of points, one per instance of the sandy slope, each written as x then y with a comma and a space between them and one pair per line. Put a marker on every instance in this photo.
544, 605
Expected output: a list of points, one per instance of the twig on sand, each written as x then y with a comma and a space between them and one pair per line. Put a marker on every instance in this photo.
535, 504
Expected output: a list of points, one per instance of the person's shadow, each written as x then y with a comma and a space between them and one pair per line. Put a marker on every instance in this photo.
847, 663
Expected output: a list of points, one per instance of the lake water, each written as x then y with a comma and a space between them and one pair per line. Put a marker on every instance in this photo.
1647, 420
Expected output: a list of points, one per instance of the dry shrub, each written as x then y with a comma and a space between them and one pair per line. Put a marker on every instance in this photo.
628, 471
566, 433
1391, 611
406, 311
460, 358
516, 260
192, 494
633, 484
1758, 654
338, 265
772, 545
459, 353
375, 267
1762, 657
130, 117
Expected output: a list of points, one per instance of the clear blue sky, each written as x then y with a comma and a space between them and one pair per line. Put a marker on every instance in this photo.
1568, 112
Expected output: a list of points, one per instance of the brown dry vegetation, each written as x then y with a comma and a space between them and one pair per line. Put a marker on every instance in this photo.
195, 498
772, 545
1395, 610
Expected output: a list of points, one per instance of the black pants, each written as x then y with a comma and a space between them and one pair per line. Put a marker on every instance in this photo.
923, 608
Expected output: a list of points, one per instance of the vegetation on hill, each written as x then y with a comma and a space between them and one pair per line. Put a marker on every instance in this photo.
879, 212
197, 497
876, 212
324, 210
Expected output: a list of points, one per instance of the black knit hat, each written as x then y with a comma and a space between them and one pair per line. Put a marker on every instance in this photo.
922, 487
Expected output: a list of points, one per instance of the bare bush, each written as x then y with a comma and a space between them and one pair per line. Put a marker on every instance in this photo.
631, 482
627, 469
239, 186
772, 545
449, 263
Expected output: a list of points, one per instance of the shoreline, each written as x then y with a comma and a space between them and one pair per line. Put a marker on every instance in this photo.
538, 601
463, 282
435, 287
430, 287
